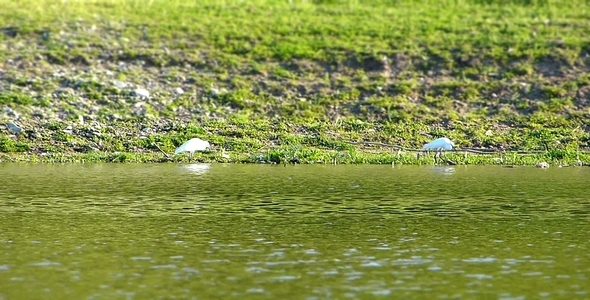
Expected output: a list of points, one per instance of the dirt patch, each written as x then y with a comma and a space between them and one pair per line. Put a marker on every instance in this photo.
306, 66
582, 99
551, 66
367, 63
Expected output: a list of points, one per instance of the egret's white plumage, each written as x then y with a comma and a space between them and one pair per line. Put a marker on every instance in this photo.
192, 145
439, 145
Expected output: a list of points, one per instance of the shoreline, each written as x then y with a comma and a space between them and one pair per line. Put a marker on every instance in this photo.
294, 154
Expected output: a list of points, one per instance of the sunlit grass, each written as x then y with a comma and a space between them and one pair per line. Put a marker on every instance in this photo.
302, 78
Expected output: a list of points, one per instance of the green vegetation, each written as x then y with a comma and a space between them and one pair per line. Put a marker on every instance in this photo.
295, 81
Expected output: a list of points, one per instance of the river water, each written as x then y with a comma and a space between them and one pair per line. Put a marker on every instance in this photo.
200, 231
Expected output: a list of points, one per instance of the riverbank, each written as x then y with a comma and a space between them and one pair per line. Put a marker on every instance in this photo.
274, 82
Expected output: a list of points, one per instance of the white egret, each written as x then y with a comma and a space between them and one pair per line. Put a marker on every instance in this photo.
192, 145
542, 165
439, 145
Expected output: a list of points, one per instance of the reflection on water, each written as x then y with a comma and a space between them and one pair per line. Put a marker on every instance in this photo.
304, 232
444, 170
196, 168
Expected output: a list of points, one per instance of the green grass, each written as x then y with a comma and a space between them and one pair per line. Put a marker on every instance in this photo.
297, 81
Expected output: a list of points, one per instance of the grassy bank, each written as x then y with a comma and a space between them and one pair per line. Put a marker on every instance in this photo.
273, 81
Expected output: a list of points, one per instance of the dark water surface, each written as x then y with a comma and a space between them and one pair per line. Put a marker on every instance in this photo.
298, 232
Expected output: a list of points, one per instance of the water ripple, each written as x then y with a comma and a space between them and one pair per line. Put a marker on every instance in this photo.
232, 231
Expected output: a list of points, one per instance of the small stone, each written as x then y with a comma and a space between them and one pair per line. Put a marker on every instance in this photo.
142, 93
110, 73
39, 113
139, 111
88, 148
13, 128
31, 134
11, 113
121, 84
63, 92
214, 92
179, 91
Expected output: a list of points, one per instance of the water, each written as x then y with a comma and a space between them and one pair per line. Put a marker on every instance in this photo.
296, 232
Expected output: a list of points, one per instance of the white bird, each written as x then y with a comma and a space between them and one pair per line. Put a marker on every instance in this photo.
439, 145
192, 145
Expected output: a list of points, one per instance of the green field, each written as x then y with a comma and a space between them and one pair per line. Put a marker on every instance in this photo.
295, 81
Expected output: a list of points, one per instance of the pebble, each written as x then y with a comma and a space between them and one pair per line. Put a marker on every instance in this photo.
94, 109
142, 93
122, 85
13, 128
214, 92
139, 110
11, 112
37, 112
179, 91
63, 92
68, 130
